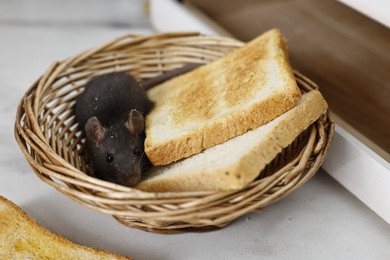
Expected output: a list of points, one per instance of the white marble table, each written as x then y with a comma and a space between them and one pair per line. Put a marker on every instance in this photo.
319, 221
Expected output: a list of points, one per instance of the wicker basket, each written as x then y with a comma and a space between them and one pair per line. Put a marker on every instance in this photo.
48, 135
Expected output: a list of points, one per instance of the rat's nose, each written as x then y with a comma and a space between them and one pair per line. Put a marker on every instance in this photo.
133, 180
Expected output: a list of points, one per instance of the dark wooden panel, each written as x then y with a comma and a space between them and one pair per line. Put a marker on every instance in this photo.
344, 52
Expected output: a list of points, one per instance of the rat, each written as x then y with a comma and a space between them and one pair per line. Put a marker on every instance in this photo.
111, 111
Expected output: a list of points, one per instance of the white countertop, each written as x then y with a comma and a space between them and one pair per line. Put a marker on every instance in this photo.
321, 220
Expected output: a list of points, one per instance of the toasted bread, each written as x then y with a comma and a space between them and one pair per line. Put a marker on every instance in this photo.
22, 238
220, 100
237, 162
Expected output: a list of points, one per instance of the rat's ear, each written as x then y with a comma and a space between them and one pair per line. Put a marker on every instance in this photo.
95, 131
135, 123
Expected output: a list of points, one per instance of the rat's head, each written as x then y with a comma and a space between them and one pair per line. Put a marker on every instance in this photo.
117, 151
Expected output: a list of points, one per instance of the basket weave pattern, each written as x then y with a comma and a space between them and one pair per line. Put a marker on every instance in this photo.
49, 137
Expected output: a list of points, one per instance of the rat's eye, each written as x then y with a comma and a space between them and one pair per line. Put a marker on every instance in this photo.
137, 152
109, 157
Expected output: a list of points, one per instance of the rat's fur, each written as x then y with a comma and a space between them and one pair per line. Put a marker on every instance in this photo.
111, 111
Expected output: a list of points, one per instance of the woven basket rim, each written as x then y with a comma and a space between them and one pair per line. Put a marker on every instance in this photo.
132, 207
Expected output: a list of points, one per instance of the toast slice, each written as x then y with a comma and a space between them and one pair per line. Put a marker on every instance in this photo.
22, 238
237, 162
218, 101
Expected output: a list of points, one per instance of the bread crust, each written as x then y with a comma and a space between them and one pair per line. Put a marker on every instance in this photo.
201, 172
216, 127
22, 238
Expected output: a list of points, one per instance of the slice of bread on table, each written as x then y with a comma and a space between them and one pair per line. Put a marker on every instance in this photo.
237, 162
221, 100
22, 238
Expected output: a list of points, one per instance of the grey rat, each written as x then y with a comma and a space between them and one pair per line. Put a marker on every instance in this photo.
111, 111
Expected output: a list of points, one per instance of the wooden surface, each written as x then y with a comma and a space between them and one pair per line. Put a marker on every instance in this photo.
344, 52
